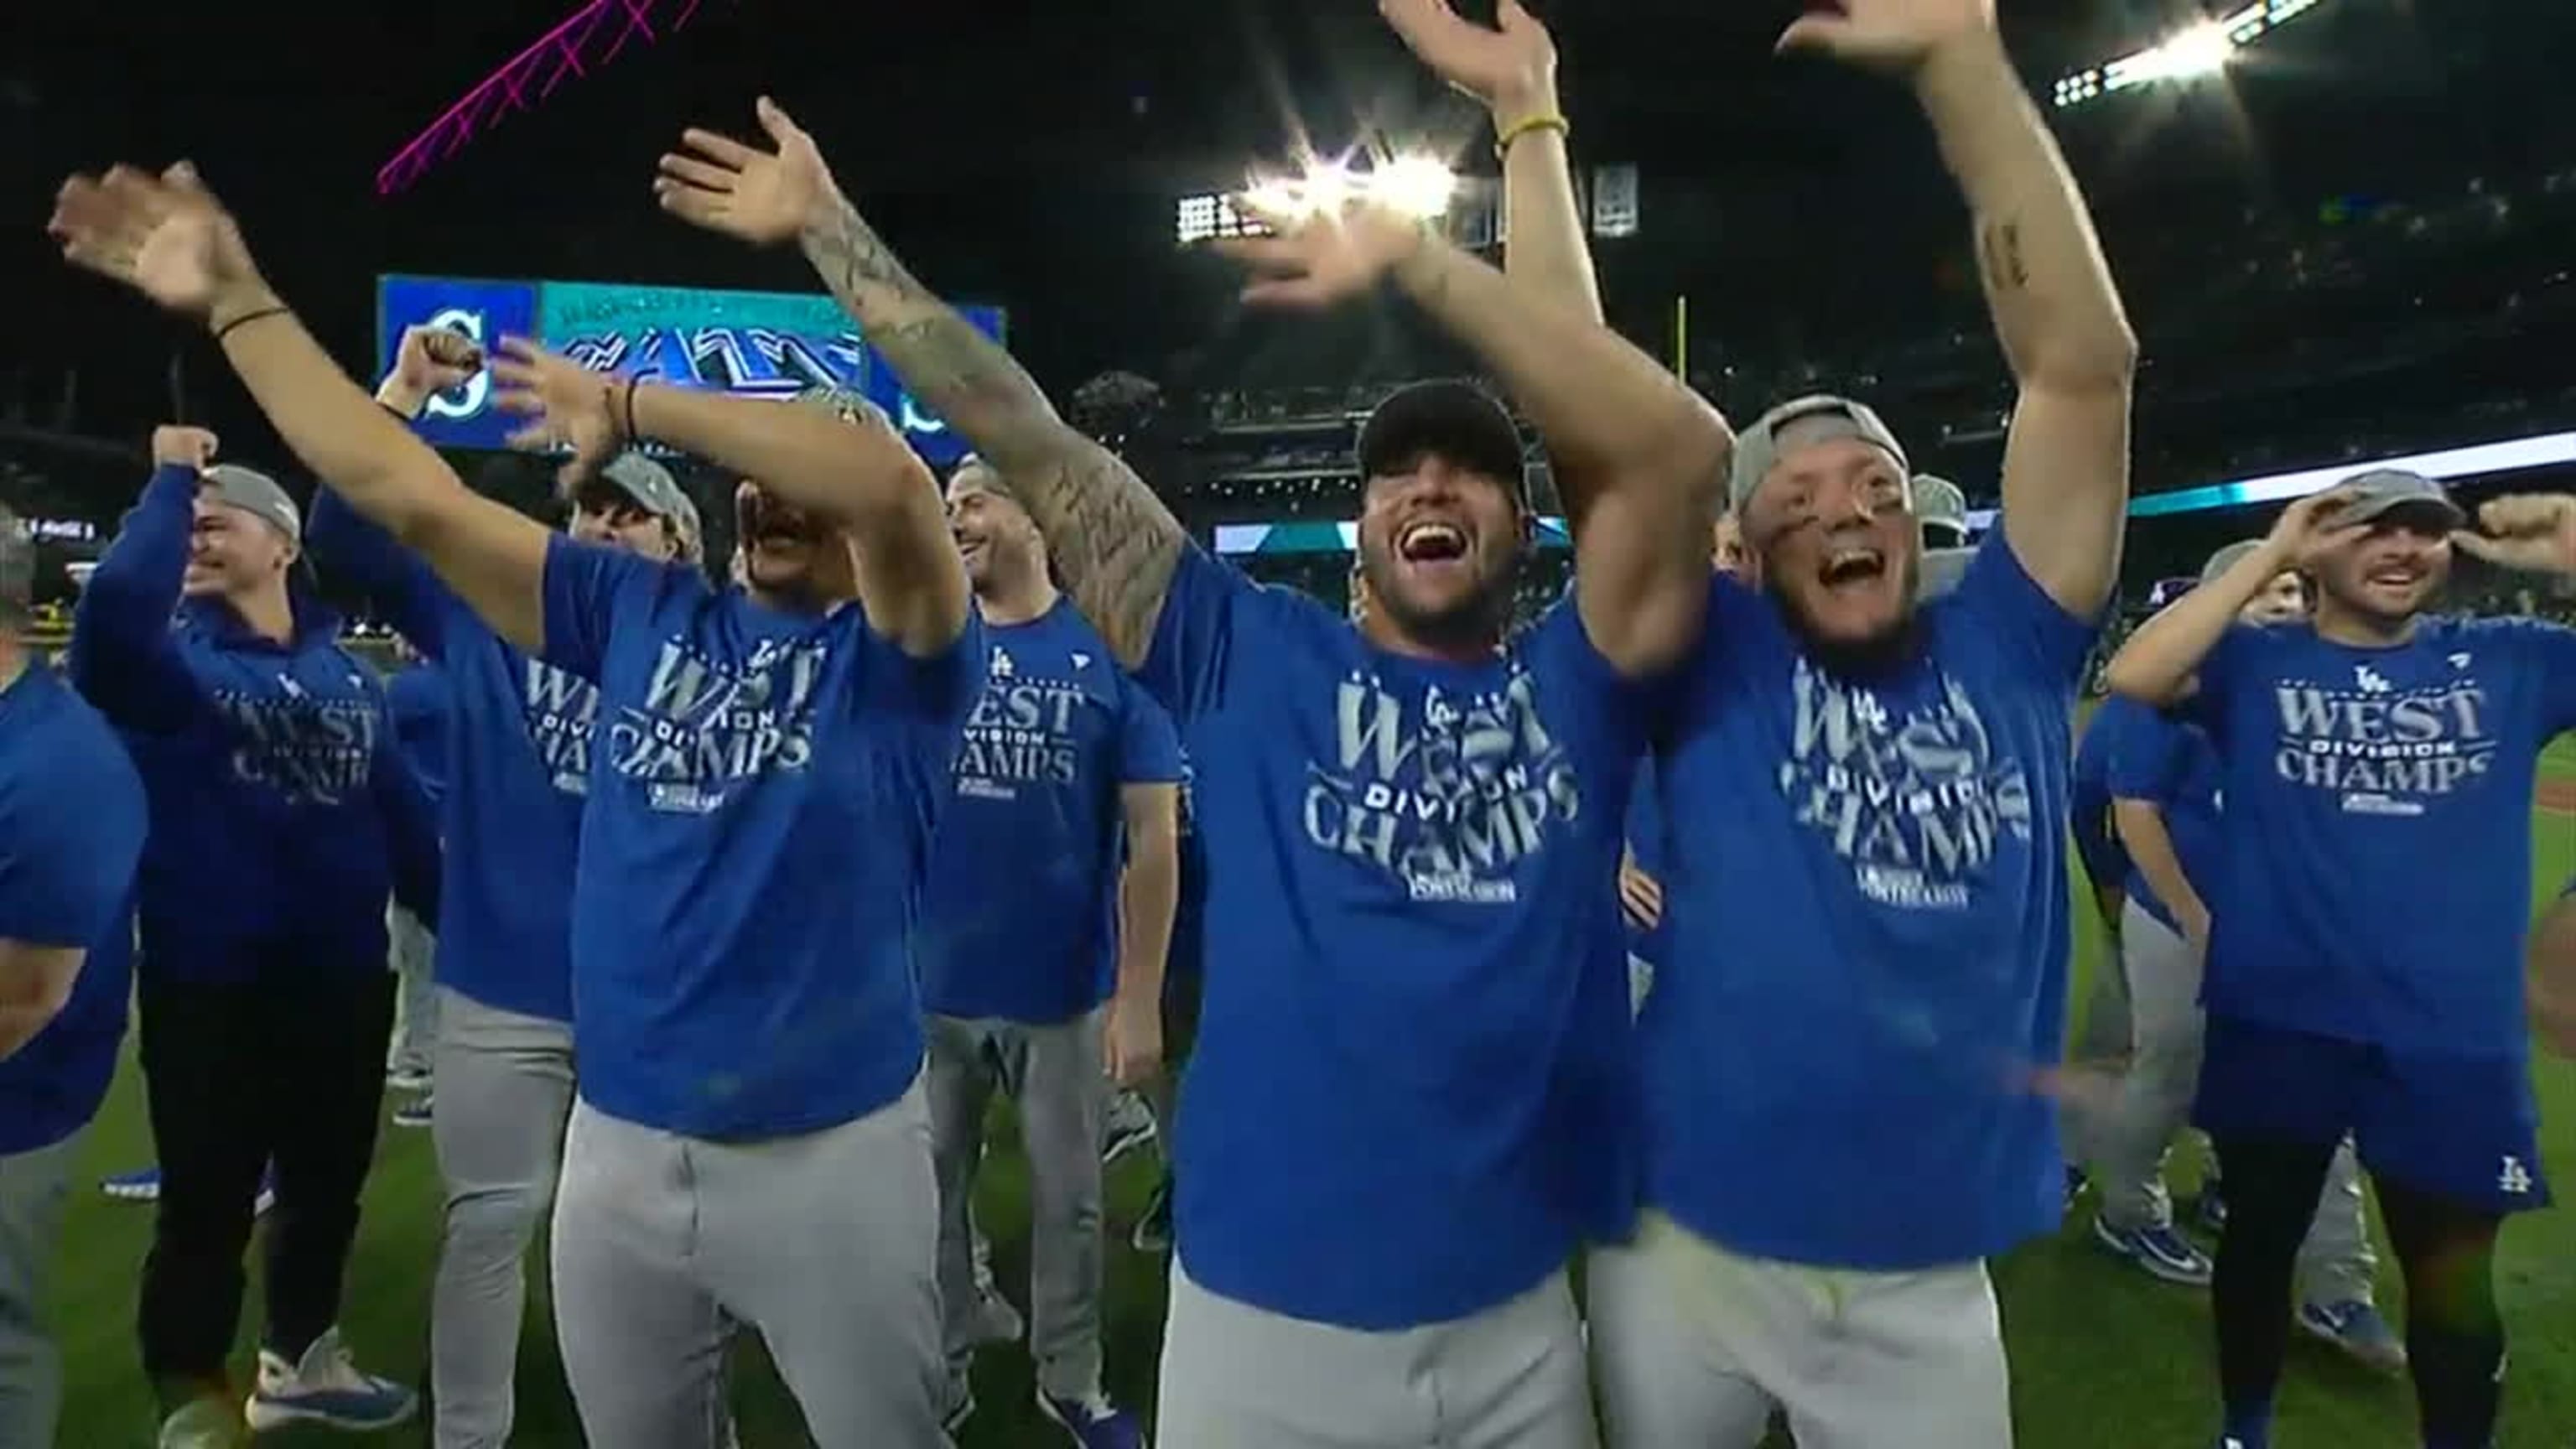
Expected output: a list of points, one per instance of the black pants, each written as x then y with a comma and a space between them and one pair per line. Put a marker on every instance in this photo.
240, 1076
2454, 1336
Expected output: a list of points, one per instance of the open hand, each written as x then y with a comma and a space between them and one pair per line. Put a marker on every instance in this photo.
717, 182
1890, 35
1320, 258
2529, 532
1511, 69
165, 236
569, 406
176, 445
1132, 1041
2310, 527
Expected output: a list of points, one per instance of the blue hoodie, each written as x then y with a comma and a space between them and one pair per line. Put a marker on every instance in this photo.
516, 758
281, 813
417, 698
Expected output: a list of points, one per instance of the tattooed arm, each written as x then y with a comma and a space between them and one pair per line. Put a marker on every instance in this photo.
2057, 314
1113, 541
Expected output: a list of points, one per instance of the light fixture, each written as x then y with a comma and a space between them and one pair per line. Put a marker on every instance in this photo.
1416, 185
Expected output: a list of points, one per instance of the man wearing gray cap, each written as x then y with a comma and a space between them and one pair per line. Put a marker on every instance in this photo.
1862, 1003
281, 816
2377, 754
2162, 775
71, 827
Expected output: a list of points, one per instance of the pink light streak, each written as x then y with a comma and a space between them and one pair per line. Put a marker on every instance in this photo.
589, 38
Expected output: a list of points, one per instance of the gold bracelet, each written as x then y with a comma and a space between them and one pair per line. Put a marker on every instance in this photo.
1543, 121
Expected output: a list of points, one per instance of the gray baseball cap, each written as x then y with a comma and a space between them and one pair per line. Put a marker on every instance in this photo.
17, 564
2383, 491
2227, 558
1943, 568
255, 493
1795, 424
1942, 504
654, 490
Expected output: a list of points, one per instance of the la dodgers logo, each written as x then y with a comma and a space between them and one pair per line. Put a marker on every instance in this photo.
1448, 798
1914, 800
2384, 749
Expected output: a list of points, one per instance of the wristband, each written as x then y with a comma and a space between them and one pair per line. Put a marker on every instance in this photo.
1543, 121
629, 412
261, 314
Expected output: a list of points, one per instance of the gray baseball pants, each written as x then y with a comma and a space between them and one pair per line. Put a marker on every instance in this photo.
825, 1243
414, 953
1055, 1074
34, 1188
505, 1087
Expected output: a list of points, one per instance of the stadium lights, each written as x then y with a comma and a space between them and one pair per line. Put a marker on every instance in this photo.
2479, 460
1418, 186
2197, 52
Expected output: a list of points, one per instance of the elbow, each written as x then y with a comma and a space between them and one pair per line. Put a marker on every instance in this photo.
2133, 678
2097, 357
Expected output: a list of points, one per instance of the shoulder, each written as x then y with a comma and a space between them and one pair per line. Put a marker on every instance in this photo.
68, 758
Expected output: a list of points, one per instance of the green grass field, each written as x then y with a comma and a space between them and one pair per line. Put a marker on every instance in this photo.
2101, 1355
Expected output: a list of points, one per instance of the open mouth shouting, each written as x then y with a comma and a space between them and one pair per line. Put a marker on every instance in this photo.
1432, 546
1851, 568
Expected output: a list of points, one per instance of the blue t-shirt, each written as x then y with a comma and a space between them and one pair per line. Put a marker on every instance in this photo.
2097, 841
2391, 790
282, 815
1021, 920
516, 757
417, 699
71, 831
1412, 1095
1646, 847
2166, 762
1868, 973
761, 804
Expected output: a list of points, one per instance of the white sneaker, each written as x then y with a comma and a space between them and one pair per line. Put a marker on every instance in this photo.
326, 1387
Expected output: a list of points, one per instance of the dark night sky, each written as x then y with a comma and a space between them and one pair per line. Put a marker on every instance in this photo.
1028, 154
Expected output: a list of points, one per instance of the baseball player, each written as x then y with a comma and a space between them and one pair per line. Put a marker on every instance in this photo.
2378, 753
1041, 959
2164, 780
284, 818
517, 742
71, 829
1420, 1019
1866, 792
751, 1141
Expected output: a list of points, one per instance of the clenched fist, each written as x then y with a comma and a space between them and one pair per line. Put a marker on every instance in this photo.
176, 445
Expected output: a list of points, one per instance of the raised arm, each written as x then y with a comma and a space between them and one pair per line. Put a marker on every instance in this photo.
168, 238
843, 462
1511, 71
2158, 665
1113, 541
2056, 312
1605, 411
122, 656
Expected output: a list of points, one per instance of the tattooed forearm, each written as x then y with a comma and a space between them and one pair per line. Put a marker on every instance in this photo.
1114, 543
1999, 244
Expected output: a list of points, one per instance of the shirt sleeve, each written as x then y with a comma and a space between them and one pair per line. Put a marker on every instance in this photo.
1624, 715
587, 586
411, 832
2549, 652
395, 582
1150, 753
2145, 753
941, 688
70, 835
2223, 674
1209, 611
2011, 609
123, 658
